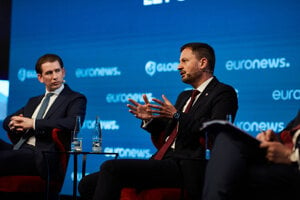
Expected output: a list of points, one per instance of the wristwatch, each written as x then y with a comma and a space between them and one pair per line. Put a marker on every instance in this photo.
176, 115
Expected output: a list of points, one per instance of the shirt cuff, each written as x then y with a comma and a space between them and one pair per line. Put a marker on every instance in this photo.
33, 125
146, 122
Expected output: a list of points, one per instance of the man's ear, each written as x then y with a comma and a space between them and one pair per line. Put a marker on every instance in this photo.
63, 72
203, 63
40, 78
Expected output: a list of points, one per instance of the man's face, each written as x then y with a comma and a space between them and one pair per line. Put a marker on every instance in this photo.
52, 75
191, 69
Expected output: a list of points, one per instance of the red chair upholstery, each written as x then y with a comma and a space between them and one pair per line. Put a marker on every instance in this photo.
152, 194
35, 184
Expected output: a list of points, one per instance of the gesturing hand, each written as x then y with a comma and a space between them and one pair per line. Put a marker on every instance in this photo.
164, 109
149, 111
140, 111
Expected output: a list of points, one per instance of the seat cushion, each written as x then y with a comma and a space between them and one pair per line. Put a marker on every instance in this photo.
151, 194
26, 184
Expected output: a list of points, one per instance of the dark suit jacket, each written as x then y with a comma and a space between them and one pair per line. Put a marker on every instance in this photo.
215, 102
61, 115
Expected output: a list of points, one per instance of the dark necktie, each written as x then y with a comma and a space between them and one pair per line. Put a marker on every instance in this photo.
44, 106
160, 154
38, 116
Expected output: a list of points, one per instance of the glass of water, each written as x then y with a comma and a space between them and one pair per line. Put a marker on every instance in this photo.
97, 147
76, 144
97, 136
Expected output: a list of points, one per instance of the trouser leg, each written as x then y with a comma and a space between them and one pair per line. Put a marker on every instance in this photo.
227, 166
140, 174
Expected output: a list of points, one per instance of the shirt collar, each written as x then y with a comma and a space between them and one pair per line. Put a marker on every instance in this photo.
57, 91
202, 87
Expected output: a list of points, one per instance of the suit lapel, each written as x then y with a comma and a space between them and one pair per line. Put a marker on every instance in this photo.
32, 105
58, 102
205, 94
184, 99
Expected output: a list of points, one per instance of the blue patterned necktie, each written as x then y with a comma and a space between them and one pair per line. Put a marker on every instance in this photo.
44, 106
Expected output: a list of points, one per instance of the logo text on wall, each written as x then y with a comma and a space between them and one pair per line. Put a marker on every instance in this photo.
257, 126
158, 2
105, 124
97, 72
152, 67
24, 74
123, 97
257, 64
129, 152
286, 95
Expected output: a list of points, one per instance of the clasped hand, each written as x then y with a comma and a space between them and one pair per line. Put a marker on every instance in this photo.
20, 123
163, 108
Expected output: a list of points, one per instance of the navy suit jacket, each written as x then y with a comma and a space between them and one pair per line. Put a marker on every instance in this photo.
61, 114
215, 102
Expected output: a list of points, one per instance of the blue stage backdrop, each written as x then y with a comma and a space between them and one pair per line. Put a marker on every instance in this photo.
115, 49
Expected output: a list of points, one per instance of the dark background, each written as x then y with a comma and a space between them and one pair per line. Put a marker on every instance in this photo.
5, 14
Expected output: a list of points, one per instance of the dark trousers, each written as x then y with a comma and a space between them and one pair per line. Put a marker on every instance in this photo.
239, 170
17, 162
139, 174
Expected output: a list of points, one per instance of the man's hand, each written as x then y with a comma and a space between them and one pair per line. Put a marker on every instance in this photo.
164, 109
20, 123
140, 111
268, 135
277, 152
149, 111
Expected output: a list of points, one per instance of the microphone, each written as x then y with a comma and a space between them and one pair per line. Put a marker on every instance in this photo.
208, 71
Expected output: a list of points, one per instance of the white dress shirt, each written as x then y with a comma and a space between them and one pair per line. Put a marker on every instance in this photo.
56, 92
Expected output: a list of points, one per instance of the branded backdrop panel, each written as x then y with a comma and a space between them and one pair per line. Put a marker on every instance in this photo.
114, 50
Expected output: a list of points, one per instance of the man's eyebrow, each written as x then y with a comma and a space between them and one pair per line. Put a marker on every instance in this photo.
48, 72
51, 71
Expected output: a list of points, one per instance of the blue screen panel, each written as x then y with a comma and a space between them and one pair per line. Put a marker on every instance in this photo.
115, 50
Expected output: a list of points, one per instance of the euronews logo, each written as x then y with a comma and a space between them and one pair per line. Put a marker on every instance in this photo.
256, 126
97, 72
286, 95
257, 64
105, 125
154, 2
129, 152
123, 97
153, 67
158, 2
24, 74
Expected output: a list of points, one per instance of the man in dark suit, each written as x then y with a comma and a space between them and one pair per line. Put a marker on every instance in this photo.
264, 170
184, 160
64, 105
